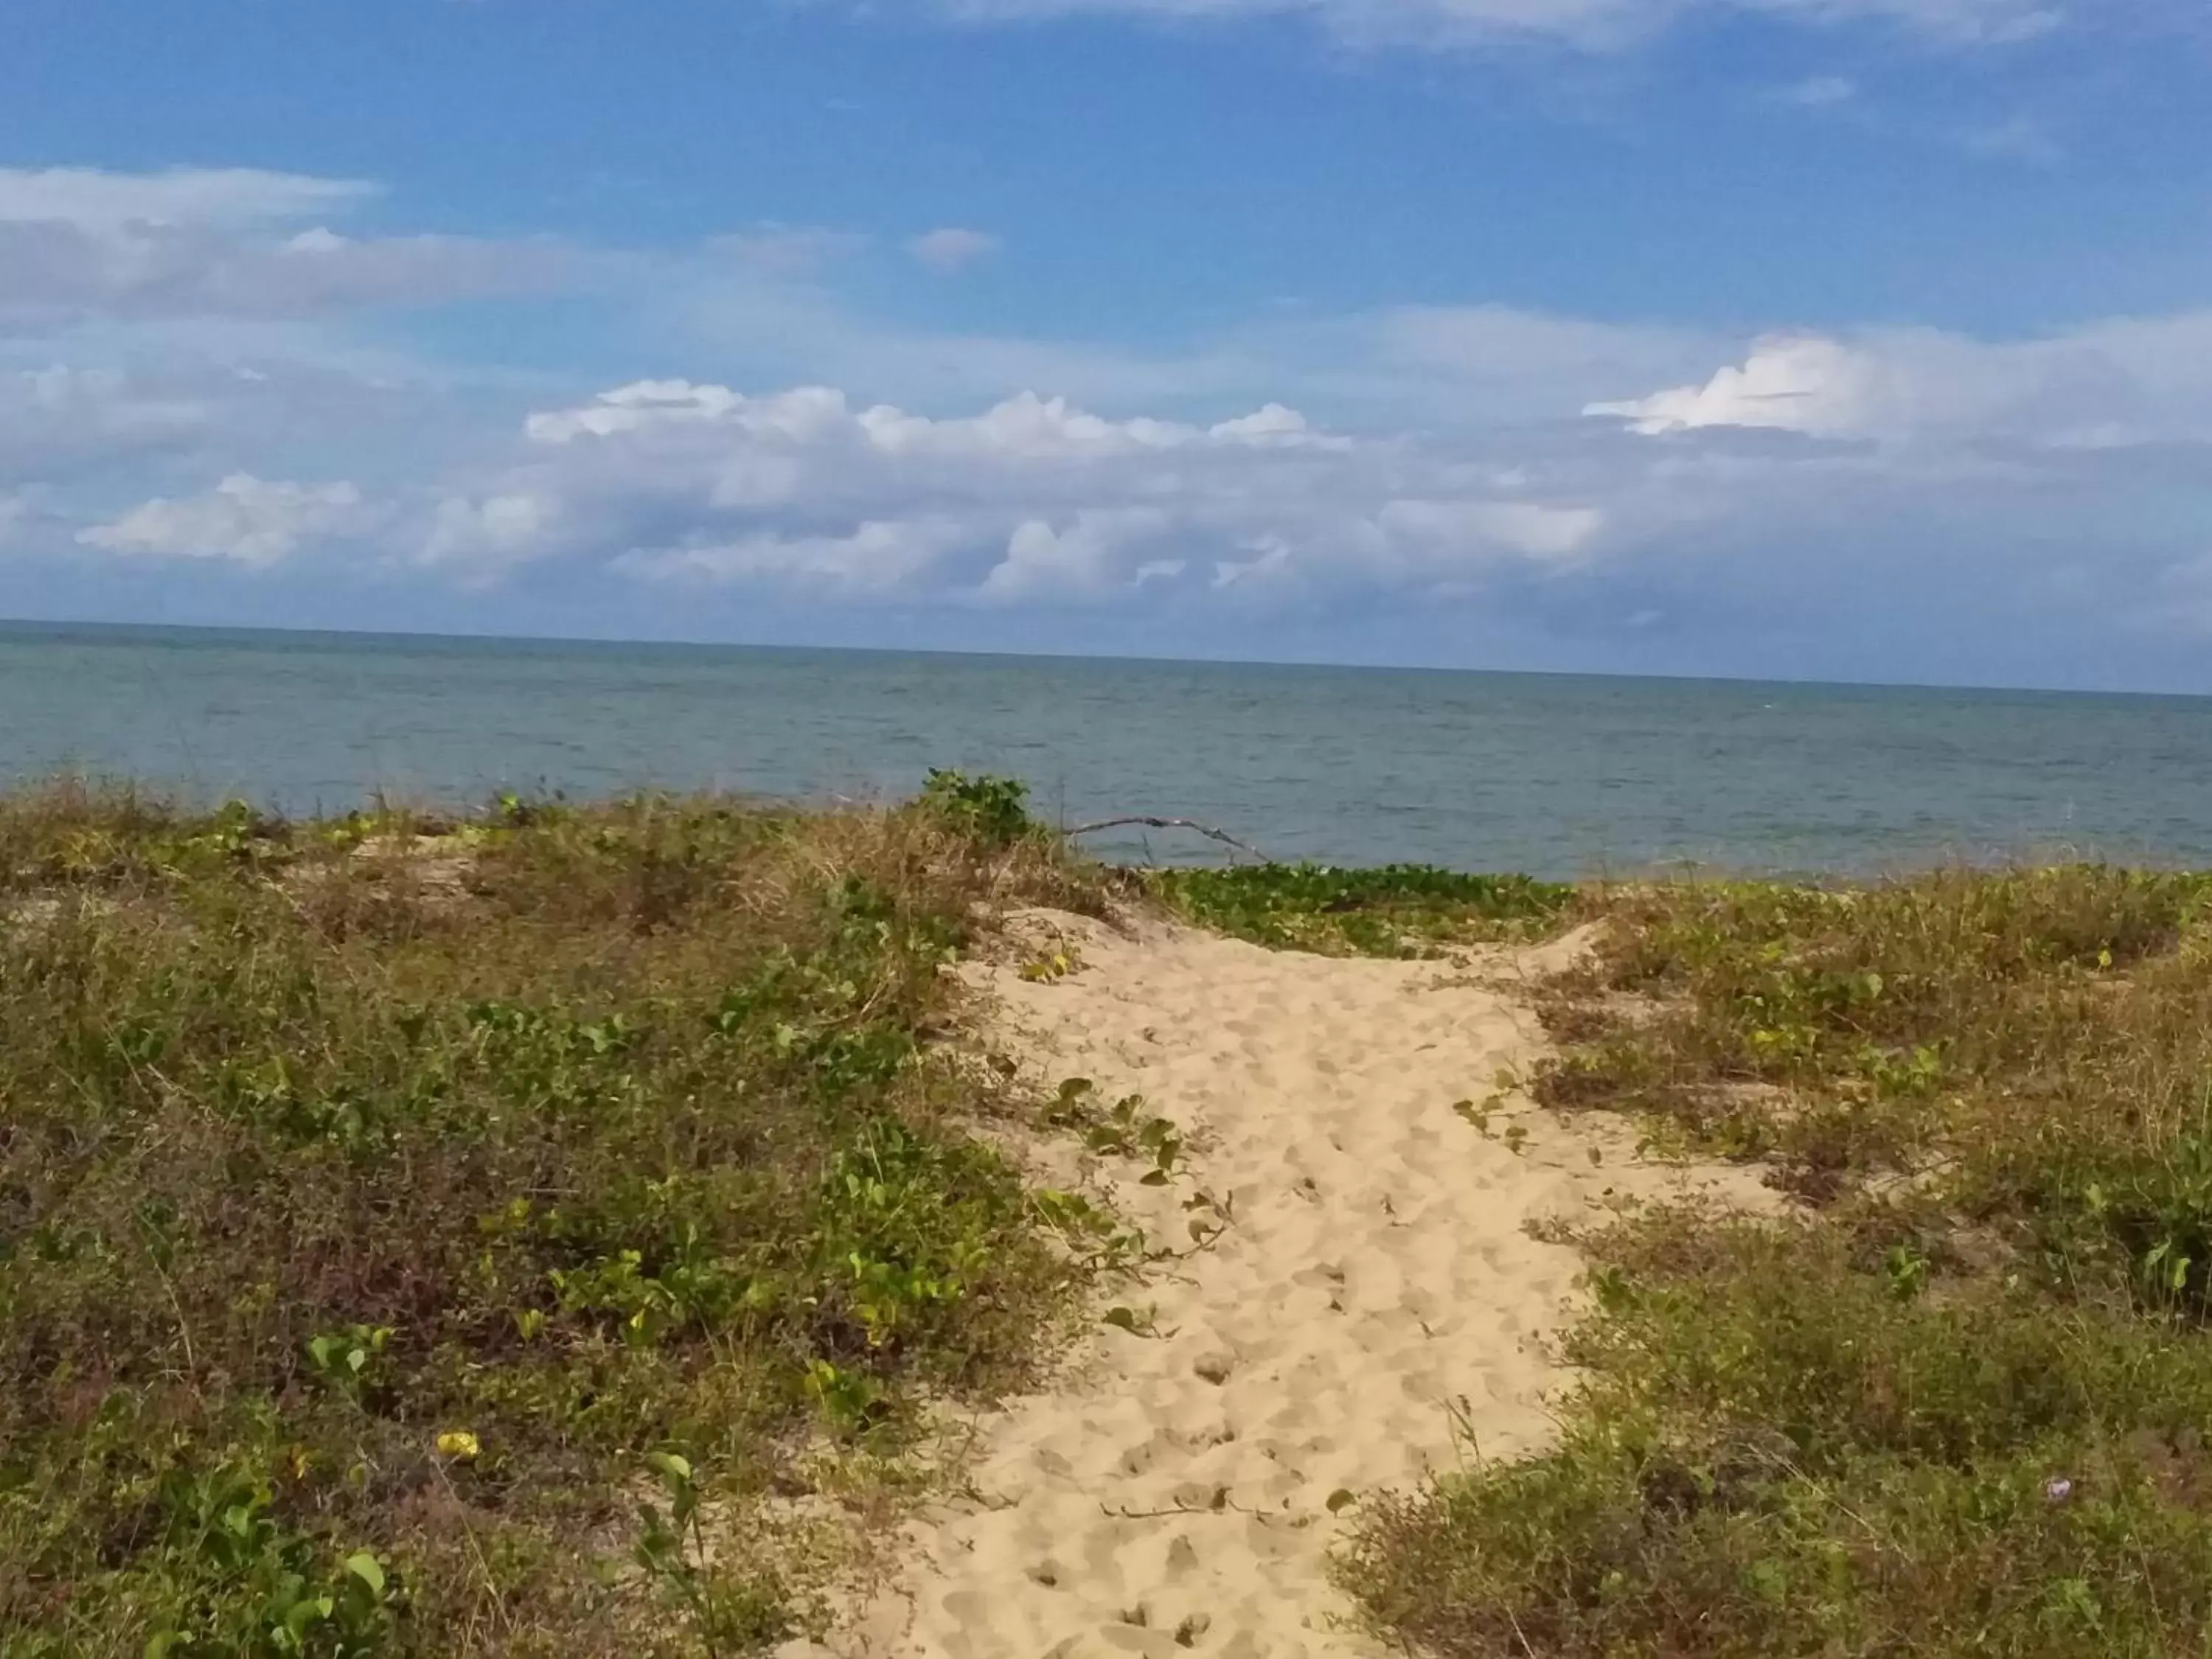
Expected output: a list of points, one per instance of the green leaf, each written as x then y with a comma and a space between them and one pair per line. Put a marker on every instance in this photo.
1124, 1319
1342, 1498
669, 1464
366, 1567
302, 1613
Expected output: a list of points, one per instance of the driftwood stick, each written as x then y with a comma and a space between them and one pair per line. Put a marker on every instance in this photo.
1206, 830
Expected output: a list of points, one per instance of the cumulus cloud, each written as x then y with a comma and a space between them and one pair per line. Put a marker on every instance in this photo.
1031, 499
1089, 554
244, 519
2126, 381
490, 534
1025, 426
1429, 466
1809, 384
951, 249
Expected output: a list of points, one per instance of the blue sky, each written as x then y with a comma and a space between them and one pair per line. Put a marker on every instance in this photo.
1842, 338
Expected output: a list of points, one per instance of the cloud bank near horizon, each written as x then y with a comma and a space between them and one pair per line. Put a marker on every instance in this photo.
199, 371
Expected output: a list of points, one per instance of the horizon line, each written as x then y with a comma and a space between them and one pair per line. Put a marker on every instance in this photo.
28, 625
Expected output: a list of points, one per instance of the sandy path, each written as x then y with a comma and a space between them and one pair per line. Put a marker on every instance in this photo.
1377, 1287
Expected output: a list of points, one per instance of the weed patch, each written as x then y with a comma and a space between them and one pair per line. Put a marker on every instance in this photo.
1398, 910
1961, 1413
382, 1203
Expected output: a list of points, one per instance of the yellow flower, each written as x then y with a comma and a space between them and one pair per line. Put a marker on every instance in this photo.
458, 1443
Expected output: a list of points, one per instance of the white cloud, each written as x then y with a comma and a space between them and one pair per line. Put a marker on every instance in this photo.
76, 241
876, 557
92, 199
1446, 456
1272, 424
58, 417
1810, 384
1022, 427
1029, 501
1526, 528
1270, 559
1088, 556
1582, 23
648, 405
1027, 428
244, 518
950, 249
488, 535
153, 271
2126, 381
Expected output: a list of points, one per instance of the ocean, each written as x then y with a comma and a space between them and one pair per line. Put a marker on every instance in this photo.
1559, 775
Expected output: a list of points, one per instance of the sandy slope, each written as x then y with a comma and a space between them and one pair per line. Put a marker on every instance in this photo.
1375, 1304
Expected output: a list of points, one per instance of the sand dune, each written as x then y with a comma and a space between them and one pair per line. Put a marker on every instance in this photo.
1375, 1310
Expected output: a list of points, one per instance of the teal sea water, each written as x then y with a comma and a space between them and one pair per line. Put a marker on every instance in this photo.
1559, 775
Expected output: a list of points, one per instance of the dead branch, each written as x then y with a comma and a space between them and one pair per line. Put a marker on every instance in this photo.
1206, 830
1222, 1504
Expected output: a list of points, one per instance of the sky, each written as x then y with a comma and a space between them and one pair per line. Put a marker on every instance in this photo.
1837, 339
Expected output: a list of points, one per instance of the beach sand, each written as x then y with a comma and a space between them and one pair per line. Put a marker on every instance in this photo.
1375, 1311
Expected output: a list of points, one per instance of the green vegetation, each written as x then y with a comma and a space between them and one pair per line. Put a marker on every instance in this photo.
1954, 1400
437, 1238
1397, 910
425, 1238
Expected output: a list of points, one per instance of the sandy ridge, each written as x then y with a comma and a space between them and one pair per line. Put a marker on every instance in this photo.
1376, 1308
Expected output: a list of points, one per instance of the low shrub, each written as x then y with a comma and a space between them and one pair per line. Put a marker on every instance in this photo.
377, 1196
1956, 1407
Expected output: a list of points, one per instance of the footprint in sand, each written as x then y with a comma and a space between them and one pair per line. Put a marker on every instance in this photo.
1155, 1509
